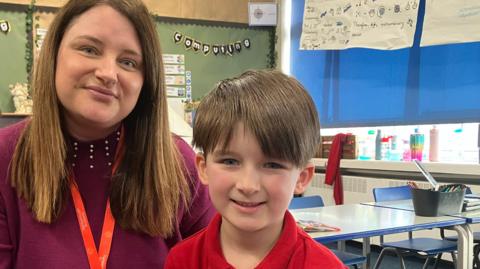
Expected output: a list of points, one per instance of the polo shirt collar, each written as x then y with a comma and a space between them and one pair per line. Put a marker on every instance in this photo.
278, 256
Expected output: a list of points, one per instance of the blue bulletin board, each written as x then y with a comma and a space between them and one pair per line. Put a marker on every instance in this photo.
366, 87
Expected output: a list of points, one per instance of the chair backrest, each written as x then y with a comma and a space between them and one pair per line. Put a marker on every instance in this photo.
392, 193
468, 190
306, 202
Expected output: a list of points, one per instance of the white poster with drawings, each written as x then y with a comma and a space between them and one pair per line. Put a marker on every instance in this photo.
451, 21
342, 24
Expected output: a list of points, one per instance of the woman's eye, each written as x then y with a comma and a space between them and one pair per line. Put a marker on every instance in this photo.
89, 50
129, 63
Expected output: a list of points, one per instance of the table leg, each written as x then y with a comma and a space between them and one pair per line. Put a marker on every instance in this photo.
366, 252
465, 246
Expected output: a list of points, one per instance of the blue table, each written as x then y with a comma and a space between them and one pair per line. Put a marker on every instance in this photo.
364, 221
466, 243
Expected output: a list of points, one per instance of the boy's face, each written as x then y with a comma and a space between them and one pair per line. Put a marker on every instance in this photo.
250, 190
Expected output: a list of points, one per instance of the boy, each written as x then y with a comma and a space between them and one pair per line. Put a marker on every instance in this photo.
257, 134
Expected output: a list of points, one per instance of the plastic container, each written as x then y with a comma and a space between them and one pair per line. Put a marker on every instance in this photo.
407, 155
378, 145
395, 152
429, 203
433, 149
416, 145
366, 146
385, 148
362, 148
457, 142
371, 144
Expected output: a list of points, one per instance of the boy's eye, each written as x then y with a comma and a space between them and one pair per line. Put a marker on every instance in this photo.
229, 162
273, 165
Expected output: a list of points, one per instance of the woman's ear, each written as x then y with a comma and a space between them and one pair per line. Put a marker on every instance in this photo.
304, 178
201, 163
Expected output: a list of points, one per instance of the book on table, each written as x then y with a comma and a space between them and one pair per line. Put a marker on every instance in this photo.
471, 202
466, 208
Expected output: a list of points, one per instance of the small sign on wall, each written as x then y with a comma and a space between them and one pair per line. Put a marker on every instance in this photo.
174, 74
4, 26
262, 14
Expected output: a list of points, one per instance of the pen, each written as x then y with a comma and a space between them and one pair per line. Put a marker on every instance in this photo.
427, 175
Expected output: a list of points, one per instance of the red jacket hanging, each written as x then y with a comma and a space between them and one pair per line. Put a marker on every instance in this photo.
332, 174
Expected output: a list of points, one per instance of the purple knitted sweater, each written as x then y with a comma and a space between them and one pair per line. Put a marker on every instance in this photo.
26, 243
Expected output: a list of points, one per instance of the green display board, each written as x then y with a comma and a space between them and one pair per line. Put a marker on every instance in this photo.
12, 55
208, 69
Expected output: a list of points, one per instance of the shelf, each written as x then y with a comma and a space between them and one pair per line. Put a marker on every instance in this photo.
449, 168
443, 172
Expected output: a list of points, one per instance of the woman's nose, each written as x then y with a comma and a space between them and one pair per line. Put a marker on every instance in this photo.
106, 71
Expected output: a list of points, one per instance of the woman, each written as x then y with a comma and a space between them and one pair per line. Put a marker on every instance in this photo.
95, 179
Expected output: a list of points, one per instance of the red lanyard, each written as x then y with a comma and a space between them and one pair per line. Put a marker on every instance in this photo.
96, 259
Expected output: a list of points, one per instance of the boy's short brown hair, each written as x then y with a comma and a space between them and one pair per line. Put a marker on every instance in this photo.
276, 108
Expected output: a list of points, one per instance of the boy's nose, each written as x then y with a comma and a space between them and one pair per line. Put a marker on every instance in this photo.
106, 71
249, 181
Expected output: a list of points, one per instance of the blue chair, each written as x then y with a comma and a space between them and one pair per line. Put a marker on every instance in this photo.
392, 193
306, 202
348, 259
428, 248
476, 240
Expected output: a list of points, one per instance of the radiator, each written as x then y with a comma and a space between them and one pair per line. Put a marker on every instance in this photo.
358, 189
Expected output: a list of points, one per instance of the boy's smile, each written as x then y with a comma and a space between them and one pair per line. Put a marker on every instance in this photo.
248, 207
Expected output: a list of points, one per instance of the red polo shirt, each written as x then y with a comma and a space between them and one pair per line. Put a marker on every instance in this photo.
294, 249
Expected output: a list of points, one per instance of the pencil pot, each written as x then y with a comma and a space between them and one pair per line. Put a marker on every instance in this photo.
431, 203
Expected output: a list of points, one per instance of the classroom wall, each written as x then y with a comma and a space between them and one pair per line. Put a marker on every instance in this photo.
213, 10
206, 69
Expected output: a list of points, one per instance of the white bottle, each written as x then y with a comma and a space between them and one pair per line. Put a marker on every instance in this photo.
433, 149
366, 146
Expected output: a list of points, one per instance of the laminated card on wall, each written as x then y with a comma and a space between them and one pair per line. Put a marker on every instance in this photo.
262, 14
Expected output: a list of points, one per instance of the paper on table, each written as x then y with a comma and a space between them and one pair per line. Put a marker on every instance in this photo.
468, 202
466, 208
311, 226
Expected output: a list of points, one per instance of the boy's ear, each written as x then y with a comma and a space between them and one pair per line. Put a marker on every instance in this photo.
201, 163
304, 178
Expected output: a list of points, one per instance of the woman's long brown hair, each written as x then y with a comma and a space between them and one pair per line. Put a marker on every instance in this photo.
150, 184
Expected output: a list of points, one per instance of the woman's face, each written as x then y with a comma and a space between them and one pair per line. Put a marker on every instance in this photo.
99, 72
